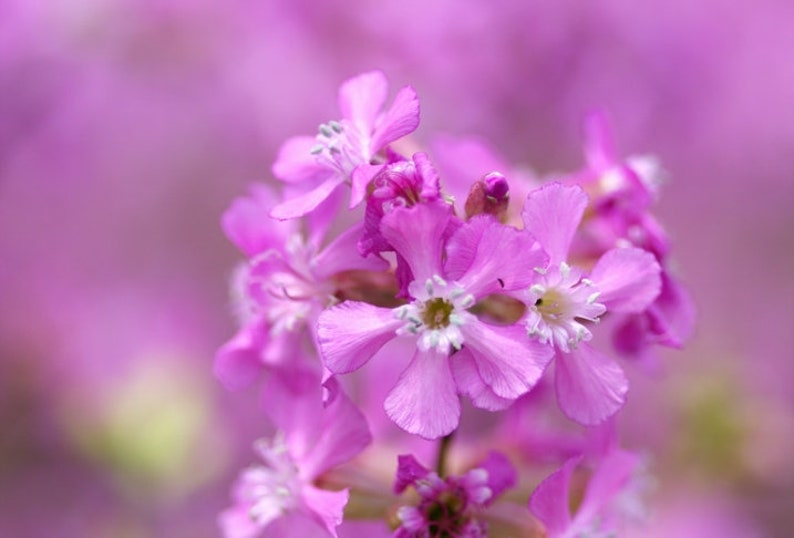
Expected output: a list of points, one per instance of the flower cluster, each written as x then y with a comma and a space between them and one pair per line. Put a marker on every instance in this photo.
425, 293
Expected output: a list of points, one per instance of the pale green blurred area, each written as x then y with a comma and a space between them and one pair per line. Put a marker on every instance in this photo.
151, 430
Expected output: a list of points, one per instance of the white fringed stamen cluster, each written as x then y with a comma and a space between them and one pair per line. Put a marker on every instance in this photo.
436, 314
557, 303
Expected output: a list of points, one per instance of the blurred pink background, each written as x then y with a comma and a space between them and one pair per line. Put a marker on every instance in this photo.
127, 127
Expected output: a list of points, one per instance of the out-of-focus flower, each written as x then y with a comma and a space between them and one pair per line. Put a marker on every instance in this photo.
288, 281
282, 497
450, 506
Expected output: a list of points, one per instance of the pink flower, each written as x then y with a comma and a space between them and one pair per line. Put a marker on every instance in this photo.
313, 167
280, 292
622, 191
281, 496
450, 506
590, 386
456, 352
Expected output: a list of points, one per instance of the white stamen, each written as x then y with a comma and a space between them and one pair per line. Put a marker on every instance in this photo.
433, 338
455, 319
537, 289
429, 286
467, 302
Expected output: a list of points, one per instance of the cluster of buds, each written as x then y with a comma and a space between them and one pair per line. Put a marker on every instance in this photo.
386, 300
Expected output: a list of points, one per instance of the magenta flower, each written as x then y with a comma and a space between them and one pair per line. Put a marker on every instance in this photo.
313, 167
637, 177
610, 499
622, 191
279, 294
450, 506
590, 386
493, 364
281, 496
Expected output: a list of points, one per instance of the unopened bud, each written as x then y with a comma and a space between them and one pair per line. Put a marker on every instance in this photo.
489, 195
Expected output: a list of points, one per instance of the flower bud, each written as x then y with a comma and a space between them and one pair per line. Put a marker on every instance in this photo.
489, 195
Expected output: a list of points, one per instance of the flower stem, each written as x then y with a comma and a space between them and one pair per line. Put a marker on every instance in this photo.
443, 450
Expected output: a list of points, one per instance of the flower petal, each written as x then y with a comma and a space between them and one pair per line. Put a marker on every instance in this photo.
508, 361
359, 182
247, 224
672, 314
342, 434
326, 507
501, 474
307, 202
628, 279
550, 500
409, 472
401, 119
342, 255
476, 257
470, 383
591, 387
417, 234
600, 151
349, 334
425, 401
236, 522
239, 361
361, 99
608, 480
296, 163
552, 213
303, 522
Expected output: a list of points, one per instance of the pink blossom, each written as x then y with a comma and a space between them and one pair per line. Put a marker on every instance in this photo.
456, 352
563, 302
313, 167
622, 191
281, 496
280, 292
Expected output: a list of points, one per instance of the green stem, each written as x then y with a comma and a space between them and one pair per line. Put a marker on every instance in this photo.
443, 450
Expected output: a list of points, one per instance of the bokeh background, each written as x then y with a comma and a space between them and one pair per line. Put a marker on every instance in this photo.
128, 126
